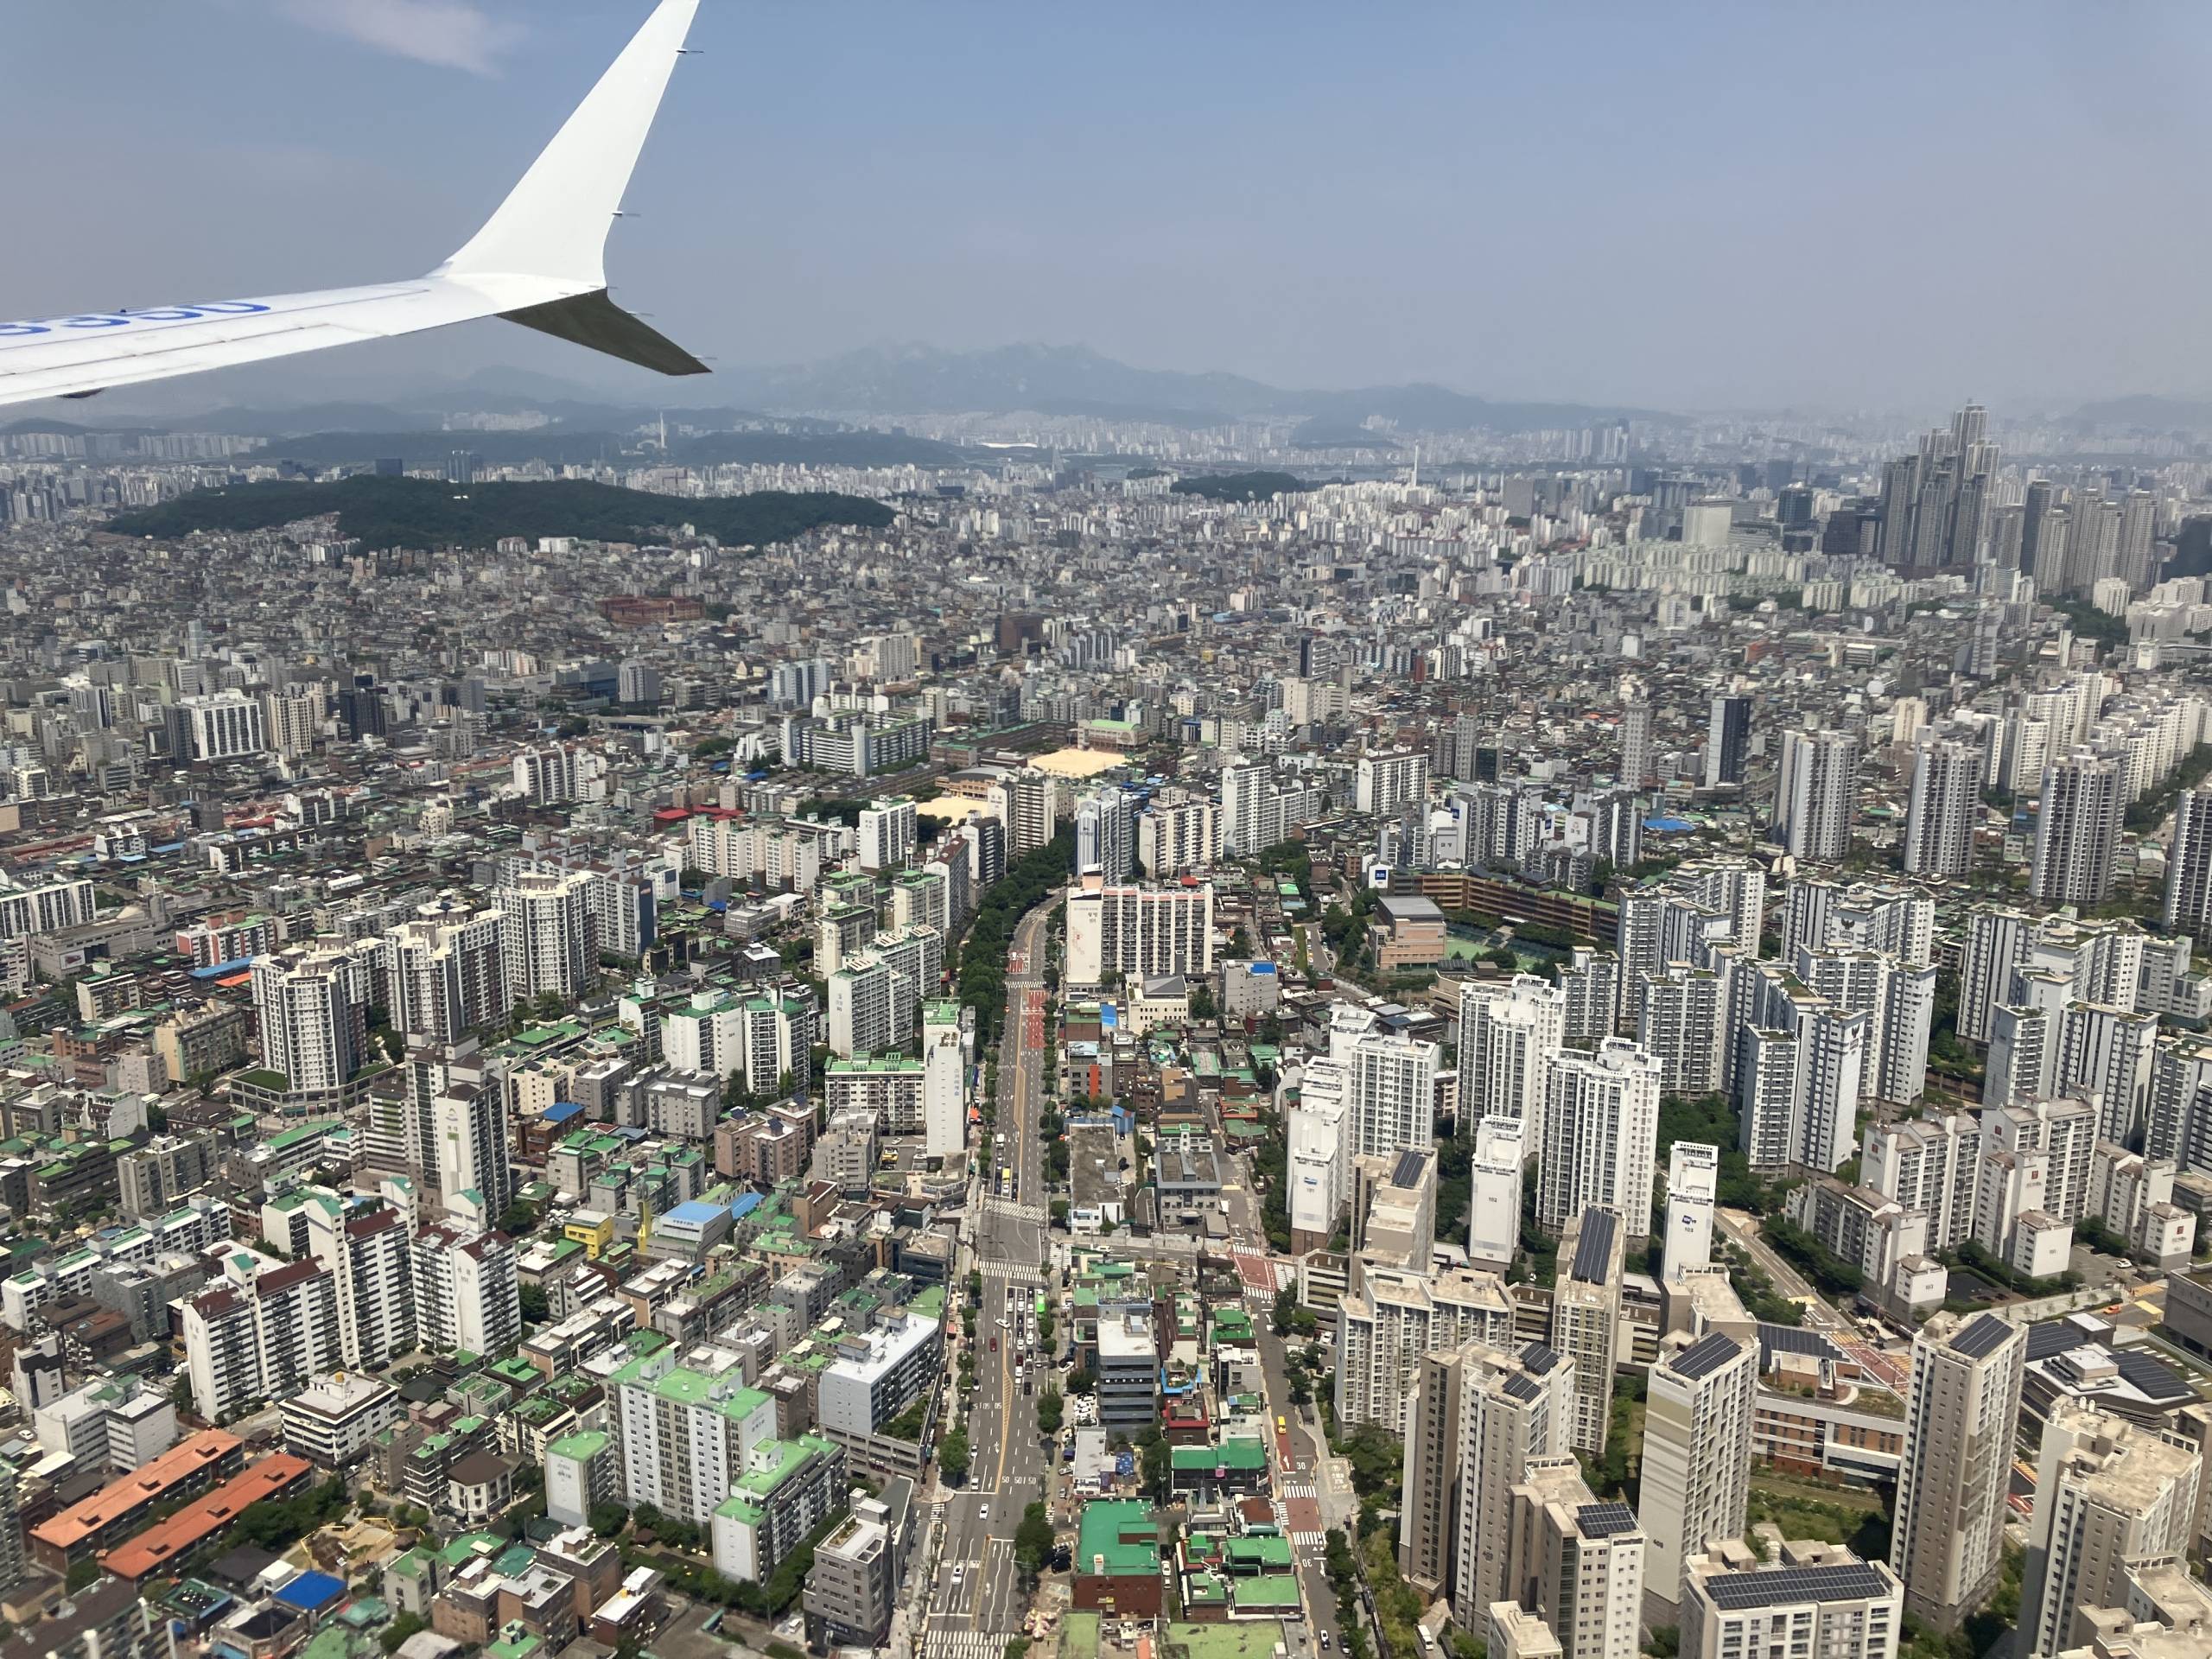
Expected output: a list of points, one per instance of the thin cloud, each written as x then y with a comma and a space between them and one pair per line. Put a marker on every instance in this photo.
451, 34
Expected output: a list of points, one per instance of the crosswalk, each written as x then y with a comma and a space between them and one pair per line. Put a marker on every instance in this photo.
1303, 1490
1015, 1273
1309, 1540
964, 1644
1028, 1212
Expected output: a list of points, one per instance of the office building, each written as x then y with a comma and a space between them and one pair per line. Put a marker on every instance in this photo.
1961, 1418
1697, 1453
1727, 740
225, 726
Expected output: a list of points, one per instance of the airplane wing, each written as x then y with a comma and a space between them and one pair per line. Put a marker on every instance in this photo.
540, 260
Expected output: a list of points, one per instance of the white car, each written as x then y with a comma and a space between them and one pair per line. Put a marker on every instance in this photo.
959, 1571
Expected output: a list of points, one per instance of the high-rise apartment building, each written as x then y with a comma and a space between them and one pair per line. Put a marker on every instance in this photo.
1105, 835
1944, 807
547, 940
1816, 794
467, 1295
1509, 1032
1383, 784
1179, 832
1478, 1415
1697, 1453
1390, 1094
1693, 1188
1259, 810
2189, 866
2077, 830
2109, 1493
1137, 933
1389, 1317
1962, 1425
312, 1025
1600, 1136
1576, 1562
887, 833
470, 1123
371, 1269
445, 973
1586, 1321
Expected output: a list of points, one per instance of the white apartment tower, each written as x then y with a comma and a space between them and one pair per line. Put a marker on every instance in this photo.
1509, 1034
1600, 1136
2109, 1493
548, 939
2077, 830
1945, 806
445, 975
1817, 793
1697, 1453
1386, 784
2189, 866
1575, 1562
1960, 1420
1137, 933
313, 1029
1478, 1415
1392, 1096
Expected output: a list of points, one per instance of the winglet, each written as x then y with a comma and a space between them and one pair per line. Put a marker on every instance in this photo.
554, 223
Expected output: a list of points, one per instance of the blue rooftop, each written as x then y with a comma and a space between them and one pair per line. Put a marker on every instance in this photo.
562, 1110
224, 969
311, 1591
696, 1213
744, 1207
1668, 826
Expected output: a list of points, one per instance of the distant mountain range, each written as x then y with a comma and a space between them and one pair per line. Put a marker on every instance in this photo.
876, 382
1076, 380
2144, 413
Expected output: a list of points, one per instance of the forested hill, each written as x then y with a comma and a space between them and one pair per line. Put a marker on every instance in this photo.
425, 512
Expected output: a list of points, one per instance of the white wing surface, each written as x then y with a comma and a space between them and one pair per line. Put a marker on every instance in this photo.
539, 260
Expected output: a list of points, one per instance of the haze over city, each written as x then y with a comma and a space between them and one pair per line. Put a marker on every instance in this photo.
1226, 832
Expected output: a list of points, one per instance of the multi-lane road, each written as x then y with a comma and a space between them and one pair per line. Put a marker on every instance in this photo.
976, 1599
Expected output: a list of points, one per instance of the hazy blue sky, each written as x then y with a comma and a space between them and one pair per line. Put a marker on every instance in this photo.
1686, 206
